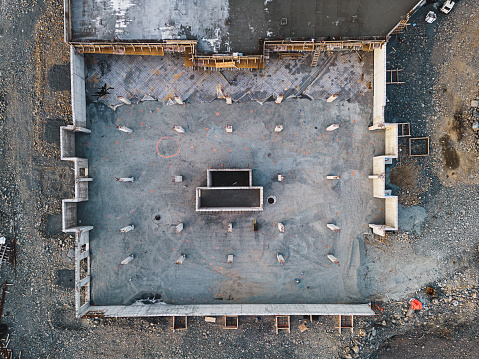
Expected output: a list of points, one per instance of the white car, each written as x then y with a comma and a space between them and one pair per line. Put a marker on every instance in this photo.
447, 7
431, 17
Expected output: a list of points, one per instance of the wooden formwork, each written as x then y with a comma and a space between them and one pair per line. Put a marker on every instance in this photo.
392, 77
404, 22
226, 62
345, 322
136, 48
179, 322
283, 46
282, 322
404, 129
230, 322
421, 146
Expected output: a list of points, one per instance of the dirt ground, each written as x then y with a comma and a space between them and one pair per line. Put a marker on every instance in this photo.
440, 70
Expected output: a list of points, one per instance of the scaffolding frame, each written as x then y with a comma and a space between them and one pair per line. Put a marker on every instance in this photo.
158, 48
282, 322
404, 129
311, 46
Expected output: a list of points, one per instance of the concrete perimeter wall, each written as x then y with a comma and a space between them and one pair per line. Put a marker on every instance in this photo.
70, 219
379, 85
391, 146
163, 310
77, 70
67, 27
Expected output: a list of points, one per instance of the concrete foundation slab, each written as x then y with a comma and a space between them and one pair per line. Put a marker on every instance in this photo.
234, 25
304, 152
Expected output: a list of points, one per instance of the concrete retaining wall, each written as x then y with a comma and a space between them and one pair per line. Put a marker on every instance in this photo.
67, 27
379, 178
69, 215
70, 219
77, 70
82, 279
379, 88
67, 142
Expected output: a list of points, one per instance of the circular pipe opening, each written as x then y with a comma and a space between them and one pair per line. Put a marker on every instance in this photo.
271, 199
157, 217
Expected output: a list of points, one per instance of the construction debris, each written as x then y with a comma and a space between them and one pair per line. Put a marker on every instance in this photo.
332, 98
280, 259
281, 227
179, 129
179, 228
127, 229
303, 327
230, 258
124, 100
125, 179
219, 91
333, 259
333, 227
229, 129
415, 305
127, 260
279, 99
333, 177
333, 127
181, 259
278, 128
124, 129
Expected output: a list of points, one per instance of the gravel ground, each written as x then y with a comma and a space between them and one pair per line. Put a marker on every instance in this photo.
440, 68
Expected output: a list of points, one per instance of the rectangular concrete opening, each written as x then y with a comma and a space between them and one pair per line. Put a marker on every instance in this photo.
240, 178
229, 190
211, 198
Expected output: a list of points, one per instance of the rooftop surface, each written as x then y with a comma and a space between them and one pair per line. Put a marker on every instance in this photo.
304, 153
234, 25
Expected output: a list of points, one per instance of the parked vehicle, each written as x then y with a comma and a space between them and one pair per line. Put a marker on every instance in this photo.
447, 7
431, 17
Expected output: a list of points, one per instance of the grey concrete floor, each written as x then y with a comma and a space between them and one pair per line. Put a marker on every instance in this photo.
304, 153
234, 25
